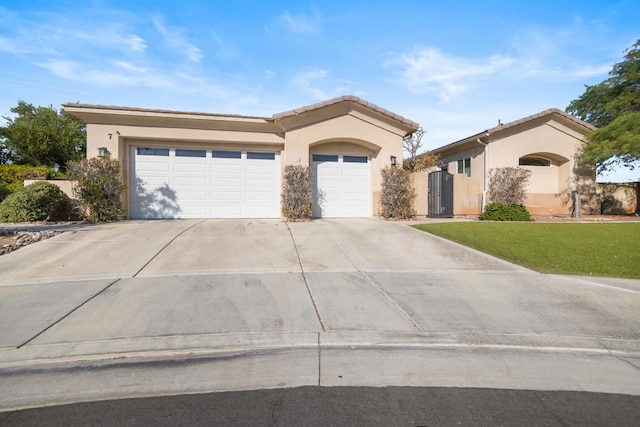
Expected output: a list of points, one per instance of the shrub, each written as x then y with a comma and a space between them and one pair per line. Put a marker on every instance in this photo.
506, 185
505, 212
397, 194
297, 197
98, 187
4, 192
40, 201
13, 176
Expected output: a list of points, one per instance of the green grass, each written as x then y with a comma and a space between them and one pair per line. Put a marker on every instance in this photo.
593, 249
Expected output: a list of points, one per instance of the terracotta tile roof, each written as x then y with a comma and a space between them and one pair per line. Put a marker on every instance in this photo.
504, 126
540, 115
159, 111
347, 98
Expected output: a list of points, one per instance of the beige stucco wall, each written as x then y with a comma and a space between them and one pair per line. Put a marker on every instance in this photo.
342, 128
549, 187
351, 133
420, 183
65, 186
119, 139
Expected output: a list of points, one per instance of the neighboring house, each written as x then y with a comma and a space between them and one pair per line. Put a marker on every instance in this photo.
197, 165
548, 144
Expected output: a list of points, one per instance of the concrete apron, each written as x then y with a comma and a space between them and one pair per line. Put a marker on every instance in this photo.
353, 302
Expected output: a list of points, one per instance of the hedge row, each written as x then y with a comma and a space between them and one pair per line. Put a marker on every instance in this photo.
13, 176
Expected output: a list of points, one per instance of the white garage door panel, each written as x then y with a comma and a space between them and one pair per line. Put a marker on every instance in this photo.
204, 184
222, 196
190, 181
341, 186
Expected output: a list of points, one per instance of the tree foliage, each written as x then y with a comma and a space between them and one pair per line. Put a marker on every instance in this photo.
614, 107
42, 136
13, 176
397, 194
98, 187
506, 185
415, 162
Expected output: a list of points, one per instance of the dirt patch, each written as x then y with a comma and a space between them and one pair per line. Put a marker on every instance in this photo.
587, 218
6, 239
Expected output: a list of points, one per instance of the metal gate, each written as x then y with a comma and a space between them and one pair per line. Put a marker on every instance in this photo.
440, 195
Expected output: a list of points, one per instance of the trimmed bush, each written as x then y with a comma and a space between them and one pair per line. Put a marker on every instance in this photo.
397, 194
505, 212
4, 192
13, 176
98, 187
40, 201
297, 198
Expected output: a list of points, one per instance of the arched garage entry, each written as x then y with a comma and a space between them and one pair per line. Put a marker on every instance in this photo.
341, 179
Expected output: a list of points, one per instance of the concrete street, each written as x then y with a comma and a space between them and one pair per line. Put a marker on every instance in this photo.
153, 308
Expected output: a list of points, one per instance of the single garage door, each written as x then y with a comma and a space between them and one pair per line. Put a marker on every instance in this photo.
341, 185
192, 183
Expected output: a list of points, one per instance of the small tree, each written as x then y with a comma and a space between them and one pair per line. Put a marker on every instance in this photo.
506, 185
42, 136
397, 194
415, 162
98, 187
297, 197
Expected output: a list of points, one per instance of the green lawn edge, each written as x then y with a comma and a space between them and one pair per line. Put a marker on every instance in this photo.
584, 249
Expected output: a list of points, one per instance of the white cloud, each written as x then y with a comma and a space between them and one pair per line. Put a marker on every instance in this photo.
300, 23
127, 66
137, 43
7, 45
429, 70
125, 74
318, 84
174, 39
308, 82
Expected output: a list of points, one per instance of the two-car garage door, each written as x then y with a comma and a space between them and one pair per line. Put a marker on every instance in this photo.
198, 183
203, 183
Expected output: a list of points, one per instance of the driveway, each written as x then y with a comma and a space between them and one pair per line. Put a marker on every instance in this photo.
329, 302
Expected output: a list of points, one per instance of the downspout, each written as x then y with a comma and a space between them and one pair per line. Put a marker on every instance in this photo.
486, 172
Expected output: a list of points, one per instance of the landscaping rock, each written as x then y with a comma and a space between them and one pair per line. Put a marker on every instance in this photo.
24, 238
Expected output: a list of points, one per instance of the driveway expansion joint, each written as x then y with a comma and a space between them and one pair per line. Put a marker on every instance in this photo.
67, 314
304, 278
165, 247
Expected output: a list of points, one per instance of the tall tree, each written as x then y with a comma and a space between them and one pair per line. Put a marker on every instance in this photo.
614, 107
43, 136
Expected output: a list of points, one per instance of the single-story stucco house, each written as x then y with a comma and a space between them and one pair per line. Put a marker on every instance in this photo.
197, 165
548, 144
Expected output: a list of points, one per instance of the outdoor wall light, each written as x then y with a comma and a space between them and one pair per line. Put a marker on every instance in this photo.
394, 160
102, 152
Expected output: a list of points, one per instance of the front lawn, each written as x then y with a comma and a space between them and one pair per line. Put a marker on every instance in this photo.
587, 249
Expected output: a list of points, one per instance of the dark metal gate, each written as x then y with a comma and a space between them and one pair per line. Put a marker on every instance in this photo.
440, 195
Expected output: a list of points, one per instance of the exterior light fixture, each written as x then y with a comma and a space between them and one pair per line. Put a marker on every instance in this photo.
102, 152
394, 160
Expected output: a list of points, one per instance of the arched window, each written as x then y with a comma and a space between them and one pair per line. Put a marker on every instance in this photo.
534, 161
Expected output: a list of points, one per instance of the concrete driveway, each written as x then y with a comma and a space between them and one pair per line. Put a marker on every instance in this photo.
241, 304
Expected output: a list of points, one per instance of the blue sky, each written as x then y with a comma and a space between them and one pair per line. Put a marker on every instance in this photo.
455, 67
